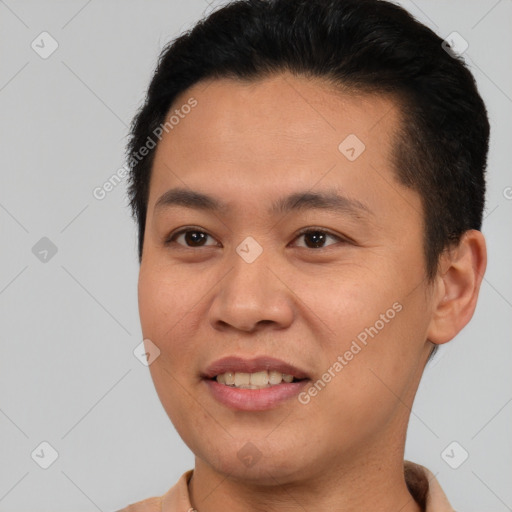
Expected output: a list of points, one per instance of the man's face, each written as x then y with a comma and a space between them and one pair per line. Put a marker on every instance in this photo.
243, 282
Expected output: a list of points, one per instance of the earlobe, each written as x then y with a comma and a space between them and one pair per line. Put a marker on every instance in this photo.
461, 271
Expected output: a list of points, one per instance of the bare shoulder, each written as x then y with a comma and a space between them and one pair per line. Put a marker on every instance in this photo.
147, 505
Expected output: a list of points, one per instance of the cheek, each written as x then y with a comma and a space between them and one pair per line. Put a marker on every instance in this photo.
374, 346
166, 308
377, 374
164, 304
164, 298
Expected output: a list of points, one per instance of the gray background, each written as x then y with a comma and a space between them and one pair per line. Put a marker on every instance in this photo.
69, 325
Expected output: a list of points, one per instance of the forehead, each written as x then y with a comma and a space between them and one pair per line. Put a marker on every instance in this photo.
277, 135
296, 111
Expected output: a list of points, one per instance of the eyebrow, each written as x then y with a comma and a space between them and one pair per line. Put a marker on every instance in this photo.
298, 201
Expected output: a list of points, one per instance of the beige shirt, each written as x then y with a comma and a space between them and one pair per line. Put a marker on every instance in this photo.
421, 482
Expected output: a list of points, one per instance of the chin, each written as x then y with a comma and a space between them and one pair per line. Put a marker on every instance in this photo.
265, 464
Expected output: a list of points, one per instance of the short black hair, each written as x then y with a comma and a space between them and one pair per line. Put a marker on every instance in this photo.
363, 46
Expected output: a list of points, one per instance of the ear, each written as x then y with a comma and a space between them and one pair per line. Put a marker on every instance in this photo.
457, 284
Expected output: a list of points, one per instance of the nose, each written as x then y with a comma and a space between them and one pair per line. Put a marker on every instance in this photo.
252, 296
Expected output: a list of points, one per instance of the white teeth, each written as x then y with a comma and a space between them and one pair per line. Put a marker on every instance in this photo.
242, 379
256, 380
275, 377
259, 378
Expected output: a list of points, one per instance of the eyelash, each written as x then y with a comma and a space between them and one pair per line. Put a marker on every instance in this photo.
171, 238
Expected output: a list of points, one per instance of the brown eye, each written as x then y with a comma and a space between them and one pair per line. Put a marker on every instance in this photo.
191, 237
316, 238
194, 238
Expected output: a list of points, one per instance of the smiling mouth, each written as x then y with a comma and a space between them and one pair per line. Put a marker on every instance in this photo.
256, 380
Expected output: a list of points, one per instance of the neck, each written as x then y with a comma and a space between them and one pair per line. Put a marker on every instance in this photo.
365, 484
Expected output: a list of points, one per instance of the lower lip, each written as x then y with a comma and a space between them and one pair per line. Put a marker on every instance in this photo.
254, 399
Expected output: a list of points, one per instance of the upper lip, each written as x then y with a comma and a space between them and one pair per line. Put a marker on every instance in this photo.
256, 364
